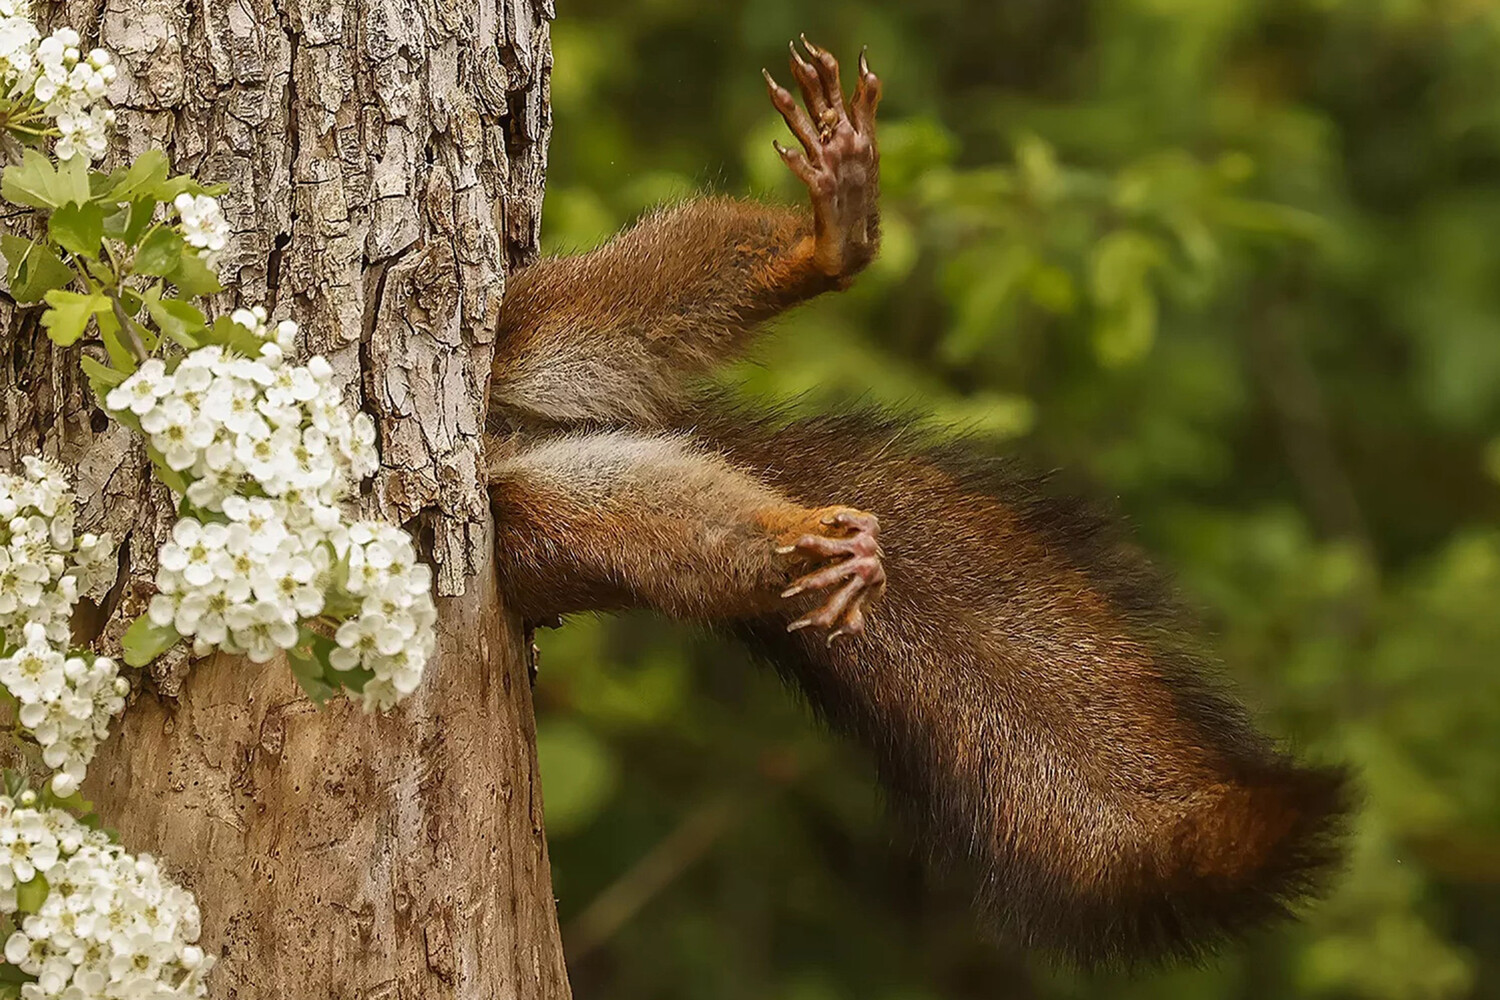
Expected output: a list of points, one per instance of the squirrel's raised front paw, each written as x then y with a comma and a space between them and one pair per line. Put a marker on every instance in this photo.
848, 542
838, 160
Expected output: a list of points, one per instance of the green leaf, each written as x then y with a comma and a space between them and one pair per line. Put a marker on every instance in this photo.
160, 253
11, 975
12, 978
144, 641
339, 581
75, 803
142, 211
73, 176
81, 808
351, 680
141, 178
36, 183
185, 184
100, 373
69, 314
227, 333
176, 481
309, 664
177, 319
317, 690
34, 269
119, 355
31, 895
103, 378
194, 277
116, 222
15, 782
356, 679
78, 228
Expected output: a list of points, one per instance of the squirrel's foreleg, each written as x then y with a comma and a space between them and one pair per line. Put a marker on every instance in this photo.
611, 520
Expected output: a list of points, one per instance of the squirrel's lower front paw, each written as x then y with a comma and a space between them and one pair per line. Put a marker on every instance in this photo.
847, 541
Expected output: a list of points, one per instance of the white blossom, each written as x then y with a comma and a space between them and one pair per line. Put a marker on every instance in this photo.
64, 702
203, 222
249, 587
111, 924
34, 673
18, 39
142, 391
228, 421
268, 452
393, 634
69, 86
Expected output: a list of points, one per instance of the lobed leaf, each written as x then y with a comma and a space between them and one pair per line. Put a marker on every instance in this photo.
36, 183
194, 277
142, 178
180, 320
78, 228
69, 314
160, 253
33, 269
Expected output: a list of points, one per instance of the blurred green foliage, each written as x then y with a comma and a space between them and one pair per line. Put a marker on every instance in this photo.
1235, 263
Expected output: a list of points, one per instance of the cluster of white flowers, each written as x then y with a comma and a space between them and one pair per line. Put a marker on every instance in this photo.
66, 702
228, 421
58, 75
270, 447
44, 564
203, 223
18, 38
70, 87
245, 587
111, 925
393, 634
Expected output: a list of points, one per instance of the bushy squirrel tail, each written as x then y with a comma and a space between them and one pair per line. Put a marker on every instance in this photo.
1036, 707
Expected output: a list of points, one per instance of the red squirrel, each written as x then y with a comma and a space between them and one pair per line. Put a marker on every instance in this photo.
1032, 699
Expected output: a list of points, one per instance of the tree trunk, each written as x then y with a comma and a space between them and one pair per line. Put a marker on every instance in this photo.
385, 161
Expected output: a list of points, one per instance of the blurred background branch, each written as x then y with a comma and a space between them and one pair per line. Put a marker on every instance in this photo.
657, 868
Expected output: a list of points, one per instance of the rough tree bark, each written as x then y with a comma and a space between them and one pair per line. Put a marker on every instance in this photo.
385, 160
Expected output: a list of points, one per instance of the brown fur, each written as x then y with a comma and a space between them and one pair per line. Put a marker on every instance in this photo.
1036, 708
1031, 696
685, 288
608, 520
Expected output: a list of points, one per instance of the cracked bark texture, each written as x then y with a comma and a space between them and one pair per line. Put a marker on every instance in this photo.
385, 161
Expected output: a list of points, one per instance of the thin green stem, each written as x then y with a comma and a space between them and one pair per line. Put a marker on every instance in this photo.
89, 279
92, 278
114, 262
129, 327
147, 234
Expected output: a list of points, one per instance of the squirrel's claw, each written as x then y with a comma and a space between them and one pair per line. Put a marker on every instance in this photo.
857, 571
866, 98
807, 82
791, 112
838, 161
